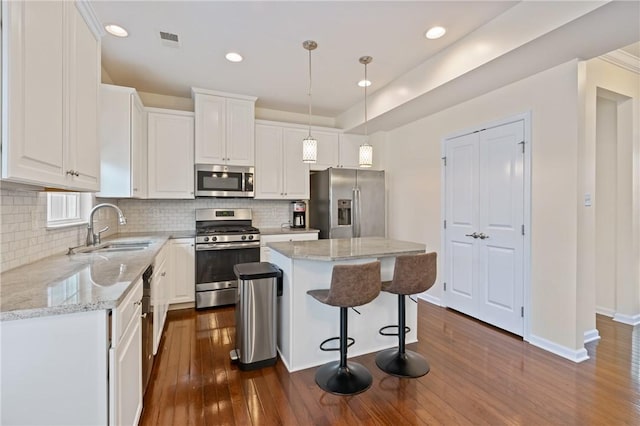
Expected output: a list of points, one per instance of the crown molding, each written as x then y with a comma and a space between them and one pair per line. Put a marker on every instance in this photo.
623, 59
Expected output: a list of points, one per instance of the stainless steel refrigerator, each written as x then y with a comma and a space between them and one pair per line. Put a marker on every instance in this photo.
347, 203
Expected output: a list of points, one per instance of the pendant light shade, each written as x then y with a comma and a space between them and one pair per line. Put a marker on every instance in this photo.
309, 144
365, 155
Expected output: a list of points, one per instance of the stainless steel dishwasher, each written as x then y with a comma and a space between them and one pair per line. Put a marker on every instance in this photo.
147, 328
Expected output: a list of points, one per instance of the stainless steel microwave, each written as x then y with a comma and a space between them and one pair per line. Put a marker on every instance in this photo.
223, 181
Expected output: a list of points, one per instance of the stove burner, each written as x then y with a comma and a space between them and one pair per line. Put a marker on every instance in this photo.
226, 229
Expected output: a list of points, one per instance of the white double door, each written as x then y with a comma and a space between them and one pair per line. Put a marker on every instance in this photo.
484, 213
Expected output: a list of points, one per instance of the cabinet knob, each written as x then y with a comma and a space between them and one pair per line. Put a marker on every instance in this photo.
135, 189
163, 274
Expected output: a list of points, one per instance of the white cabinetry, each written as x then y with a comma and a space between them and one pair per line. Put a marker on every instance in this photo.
125, 360
54, 369
224, 128
280, 172
328, 149
123, 144
183, 271
170, 162
349, 150
265, 252
51, 77
160, 286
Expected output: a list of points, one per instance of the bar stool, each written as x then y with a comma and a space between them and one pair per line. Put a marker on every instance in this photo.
351, 285
412, 274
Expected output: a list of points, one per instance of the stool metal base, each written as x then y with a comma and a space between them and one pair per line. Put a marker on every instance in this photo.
408, 364
349, 380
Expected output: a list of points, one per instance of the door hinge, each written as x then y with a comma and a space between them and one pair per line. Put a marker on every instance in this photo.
522, 311
522, 143
522, 229
445, 286
445, 224
445, 161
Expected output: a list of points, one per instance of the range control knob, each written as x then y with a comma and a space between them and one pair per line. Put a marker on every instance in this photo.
214, 238
206, 238
244, 237
251, 237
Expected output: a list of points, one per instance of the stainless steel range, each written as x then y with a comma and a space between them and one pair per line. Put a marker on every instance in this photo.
224, 238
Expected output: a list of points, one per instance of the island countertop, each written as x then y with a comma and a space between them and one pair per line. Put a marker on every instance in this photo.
346, 248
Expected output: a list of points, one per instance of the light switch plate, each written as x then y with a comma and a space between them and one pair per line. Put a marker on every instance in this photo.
587, 200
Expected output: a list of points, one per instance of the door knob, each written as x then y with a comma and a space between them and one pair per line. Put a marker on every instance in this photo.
474, 235
482, 236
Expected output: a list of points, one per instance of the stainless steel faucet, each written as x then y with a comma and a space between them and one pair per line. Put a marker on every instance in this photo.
93, 239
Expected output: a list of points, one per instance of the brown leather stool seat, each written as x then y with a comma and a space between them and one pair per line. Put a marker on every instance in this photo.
412, 274
351, 285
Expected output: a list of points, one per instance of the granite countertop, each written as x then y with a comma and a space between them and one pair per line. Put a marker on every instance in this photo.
346, 248
287, 230
63, 284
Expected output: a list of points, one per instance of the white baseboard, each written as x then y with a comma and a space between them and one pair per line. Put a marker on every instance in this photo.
627, 319
431, 299
591, 335
605, 311
567, 353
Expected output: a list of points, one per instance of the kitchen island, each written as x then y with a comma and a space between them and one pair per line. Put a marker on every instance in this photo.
303, 322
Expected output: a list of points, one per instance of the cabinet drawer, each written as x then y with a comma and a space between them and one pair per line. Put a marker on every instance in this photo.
299, 236
126, 311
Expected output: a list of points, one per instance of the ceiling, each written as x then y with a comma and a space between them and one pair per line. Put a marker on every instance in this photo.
269, 34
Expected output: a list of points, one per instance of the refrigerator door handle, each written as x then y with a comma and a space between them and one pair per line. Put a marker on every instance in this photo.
356, 213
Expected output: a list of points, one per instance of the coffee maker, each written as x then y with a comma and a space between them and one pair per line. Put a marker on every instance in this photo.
298, 214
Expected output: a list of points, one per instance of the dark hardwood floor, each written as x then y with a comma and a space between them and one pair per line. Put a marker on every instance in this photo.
479, 375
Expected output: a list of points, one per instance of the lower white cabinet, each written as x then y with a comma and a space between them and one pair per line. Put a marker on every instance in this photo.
182, 289
160, 283
125, 360
170, 153
265, 252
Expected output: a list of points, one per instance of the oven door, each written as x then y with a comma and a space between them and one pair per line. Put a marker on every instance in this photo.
223, 181
216, 283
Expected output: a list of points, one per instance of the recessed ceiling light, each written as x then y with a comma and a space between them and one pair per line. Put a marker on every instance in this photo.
116, 30
364, 83
233, 57
435, 32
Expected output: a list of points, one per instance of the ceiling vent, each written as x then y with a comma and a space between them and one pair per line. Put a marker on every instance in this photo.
169, 39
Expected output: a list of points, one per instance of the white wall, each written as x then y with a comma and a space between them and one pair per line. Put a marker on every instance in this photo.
605, 277
412, 160
622, 86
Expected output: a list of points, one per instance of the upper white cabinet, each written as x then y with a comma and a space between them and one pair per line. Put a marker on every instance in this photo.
349, 150
123, 144
328, 149
280, 172
170, 146
224, 126
51, 78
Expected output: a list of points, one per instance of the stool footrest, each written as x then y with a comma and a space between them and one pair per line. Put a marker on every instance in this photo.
350, 343
384, 333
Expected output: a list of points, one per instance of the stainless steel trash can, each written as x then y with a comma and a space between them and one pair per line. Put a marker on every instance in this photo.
259, 283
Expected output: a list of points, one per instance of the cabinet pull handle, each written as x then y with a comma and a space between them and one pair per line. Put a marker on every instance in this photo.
143, 316
474, 235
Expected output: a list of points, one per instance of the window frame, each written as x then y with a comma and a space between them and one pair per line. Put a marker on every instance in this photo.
79, 202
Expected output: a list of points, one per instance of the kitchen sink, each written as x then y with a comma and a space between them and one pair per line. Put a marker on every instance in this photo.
113, 247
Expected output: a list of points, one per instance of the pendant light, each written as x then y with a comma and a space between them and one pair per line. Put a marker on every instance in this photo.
365, 156
309, 144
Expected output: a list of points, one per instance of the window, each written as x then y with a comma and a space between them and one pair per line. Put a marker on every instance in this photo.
67, 208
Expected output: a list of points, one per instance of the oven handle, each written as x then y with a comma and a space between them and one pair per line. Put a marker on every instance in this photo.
227, 246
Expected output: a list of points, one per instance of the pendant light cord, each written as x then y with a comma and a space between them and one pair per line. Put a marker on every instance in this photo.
366, 133
310, 93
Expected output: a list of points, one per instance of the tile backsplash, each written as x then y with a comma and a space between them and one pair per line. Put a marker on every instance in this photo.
24, 237
178, 215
